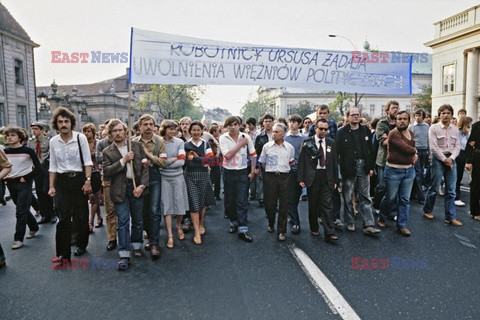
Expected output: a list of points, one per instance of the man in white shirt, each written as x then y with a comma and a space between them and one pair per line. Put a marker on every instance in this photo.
277, 157
69, 182
234, 146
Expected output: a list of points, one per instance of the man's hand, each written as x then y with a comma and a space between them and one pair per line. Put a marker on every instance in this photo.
302, 184
172, 160
468, 167
138, 192
147, 153
251, 175
22, 180
242, 141
448, 162
128, 157
52, 192
257, 171
87, 187
370, 173
415, 159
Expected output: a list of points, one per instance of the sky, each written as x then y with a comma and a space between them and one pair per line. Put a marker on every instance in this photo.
104, 25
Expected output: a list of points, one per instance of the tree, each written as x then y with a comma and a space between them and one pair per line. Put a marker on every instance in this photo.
256, 108
424, 99
339, 103
303, 108
173, 101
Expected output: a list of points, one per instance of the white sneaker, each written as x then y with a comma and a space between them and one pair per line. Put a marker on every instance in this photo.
441, 192
459, 203
17, 245
31, 234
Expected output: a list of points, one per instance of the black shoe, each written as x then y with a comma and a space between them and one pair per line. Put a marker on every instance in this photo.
57, 263
233, 229
253, 198
79, 252
123, 264
111, 245
421, 201
54, 220
44, 220
245, 237
304, 198
296, 229
331, 238
3, 202
260, 203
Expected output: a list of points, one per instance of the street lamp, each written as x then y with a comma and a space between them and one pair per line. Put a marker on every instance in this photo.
338, 36
357, 100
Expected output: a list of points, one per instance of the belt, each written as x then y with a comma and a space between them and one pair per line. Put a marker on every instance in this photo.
447, 154
71, 174
277, 173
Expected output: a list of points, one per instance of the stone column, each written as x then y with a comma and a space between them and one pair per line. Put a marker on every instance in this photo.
471, 103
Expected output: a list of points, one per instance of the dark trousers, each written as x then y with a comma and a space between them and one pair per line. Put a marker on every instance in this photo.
2, 255
294, 192
72, 204
45, 202
420, 166
21, 193
215, 179
320, 204
460, 160
276, 191
235, 184
475, 190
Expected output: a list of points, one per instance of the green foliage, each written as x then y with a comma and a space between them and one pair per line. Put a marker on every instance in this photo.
303, 108
341, 103
424, 99
256, 108
173, 101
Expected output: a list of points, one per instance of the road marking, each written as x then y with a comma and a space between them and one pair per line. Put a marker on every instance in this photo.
465, 241
330, 294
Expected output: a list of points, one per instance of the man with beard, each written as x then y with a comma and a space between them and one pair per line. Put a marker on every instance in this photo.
400, 171
355, 153
384, 126
120, 170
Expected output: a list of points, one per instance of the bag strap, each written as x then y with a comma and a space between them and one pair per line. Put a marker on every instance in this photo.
81, 155
157, 142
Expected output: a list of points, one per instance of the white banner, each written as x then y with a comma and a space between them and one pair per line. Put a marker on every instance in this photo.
159, 58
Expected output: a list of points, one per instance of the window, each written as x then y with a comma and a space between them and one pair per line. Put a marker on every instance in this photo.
289, 109
19, 72
448, 78
22, 116
372, 110
2, 115
408, 108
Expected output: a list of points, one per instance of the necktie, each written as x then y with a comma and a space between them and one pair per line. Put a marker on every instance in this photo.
38, 149
322, 157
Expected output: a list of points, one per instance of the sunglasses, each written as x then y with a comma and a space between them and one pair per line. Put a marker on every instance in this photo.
322, 129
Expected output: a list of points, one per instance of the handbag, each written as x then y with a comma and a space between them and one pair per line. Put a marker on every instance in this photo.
95, 178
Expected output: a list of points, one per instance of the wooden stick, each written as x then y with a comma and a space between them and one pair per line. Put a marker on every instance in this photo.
130, 131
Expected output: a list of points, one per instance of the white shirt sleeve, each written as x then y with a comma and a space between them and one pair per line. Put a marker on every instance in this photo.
87, 158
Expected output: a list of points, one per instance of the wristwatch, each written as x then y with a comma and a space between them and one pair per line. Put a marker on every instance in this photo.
142, 186
89, 178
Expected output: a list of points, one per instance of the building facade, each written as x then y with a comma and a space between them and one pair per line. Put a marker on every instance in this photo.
285, 99
455, 78
17, 73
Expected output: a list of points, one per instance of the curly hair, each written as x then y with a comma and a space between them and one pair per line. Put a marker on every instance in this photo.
63, 112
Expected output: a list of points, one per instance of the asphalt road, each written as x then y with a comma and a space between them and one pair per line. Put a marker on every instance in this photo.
225, 278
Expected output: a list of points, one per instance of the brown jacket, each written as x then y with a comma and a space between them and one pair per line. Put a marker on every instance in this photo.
117, 174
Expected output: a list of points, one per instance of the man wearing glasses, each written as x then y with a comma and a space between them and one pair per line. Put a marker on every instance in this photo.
318, 171
356, 158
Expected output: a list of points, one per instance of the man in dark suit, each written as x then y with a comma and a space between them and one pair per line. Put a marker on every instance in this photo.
318, 171
129, 177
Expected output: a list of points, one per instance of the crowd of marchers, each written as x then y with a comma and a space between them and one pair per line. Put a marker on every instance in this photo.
175, 170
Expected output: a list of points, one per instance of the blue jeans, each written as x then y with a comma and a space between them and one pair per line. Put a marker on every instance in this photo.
130, 206
235, 184
439, 170
21, 193
360, 183
399, 184
155, 189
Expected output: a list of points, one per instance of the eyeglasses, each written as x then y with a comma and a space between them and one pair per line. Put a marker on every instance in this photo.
355, 115
322, 129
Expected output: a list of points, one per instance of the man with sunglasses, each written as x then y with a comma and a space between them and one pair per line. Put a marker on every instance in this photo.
356, 158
